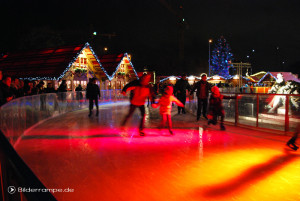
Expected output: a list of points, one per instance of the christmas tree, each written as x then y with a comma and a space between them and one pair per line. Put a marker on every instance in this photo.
221, 58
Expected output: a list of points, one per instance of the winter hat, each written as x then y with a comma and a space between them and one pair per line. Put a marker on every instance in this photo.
215, 90
169, 90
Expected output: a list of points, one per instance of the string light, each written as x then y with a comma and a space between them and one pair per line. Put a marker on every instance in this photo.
268, 73
236, 77
124, 56
177, 78
87, 45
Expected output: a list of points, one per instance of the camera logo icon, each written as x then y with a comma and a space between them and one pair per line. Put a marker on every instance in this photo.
11, 189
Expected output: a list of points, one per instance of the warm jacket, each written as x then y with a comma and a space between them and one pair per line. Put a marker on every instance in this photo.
181, 86
197, 87
139, 92
165, 103
5, 93
216, 101
92, 91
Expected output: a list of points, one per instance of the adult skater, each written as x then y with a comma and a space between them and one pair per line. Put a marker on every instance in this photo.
203, 88
141, 90
180, 91
165, 103
93, 94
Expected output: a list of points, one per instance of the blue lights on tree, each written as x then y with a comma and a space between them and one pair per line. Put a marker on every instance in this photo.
221, 58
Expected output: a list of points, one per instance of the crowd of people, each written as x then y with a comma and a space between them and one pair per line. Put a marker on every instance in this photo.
12, 87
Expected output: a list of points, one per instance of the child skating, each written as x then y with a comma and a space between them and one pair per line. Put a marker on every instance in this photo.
165, 103
216, 108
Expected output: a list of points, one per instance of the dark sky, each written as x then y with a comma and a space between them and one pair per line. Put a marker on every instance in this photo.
150, 30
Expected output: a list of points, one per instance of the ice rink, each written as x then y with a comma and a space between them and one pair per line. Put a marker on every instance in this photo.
98, 160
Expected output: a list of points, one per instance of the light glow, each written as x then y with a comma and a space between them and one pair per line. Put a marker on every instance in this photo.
172, 78
216, 77
191, 78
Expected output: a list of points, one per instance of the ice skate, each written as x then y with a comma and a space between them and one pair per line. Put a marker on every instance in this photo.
222, 127
211, 122
142, 133
292, 146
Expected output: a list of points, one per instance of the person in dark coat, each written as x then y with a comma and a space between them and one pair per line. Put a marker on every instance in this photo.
141, 90
28, 85
21, 88
93, 94
202, 88
34, 90
41, 87
14, 87
43, 97
63, 86
62, 89
180, 92
79, 90
5, 90
50, 88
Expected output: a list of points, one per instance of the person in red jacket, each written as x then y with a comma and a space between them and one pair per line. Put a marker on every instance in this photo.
141, 90
165, 103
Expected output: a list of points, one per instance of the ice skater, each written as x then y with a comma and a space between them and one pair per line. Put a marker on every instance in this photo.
203, 88
165, 103
180, 91
93, 94
141, 90
292, 142
216, 108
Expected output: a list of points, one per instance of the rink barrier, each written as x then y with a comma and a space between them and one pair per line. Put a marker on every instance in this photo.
22, 113
256, 111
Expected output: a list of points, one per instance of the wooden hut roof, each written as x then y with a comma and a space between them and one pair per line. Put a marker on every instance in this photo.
111, 64
46, 64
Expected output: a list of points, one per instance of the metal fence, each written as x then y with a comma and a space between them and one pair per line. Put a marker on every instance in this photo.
245, 90
271, 111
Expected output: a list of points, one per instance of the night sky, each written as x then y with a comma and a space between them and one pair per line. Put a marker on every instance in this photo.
150, 30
